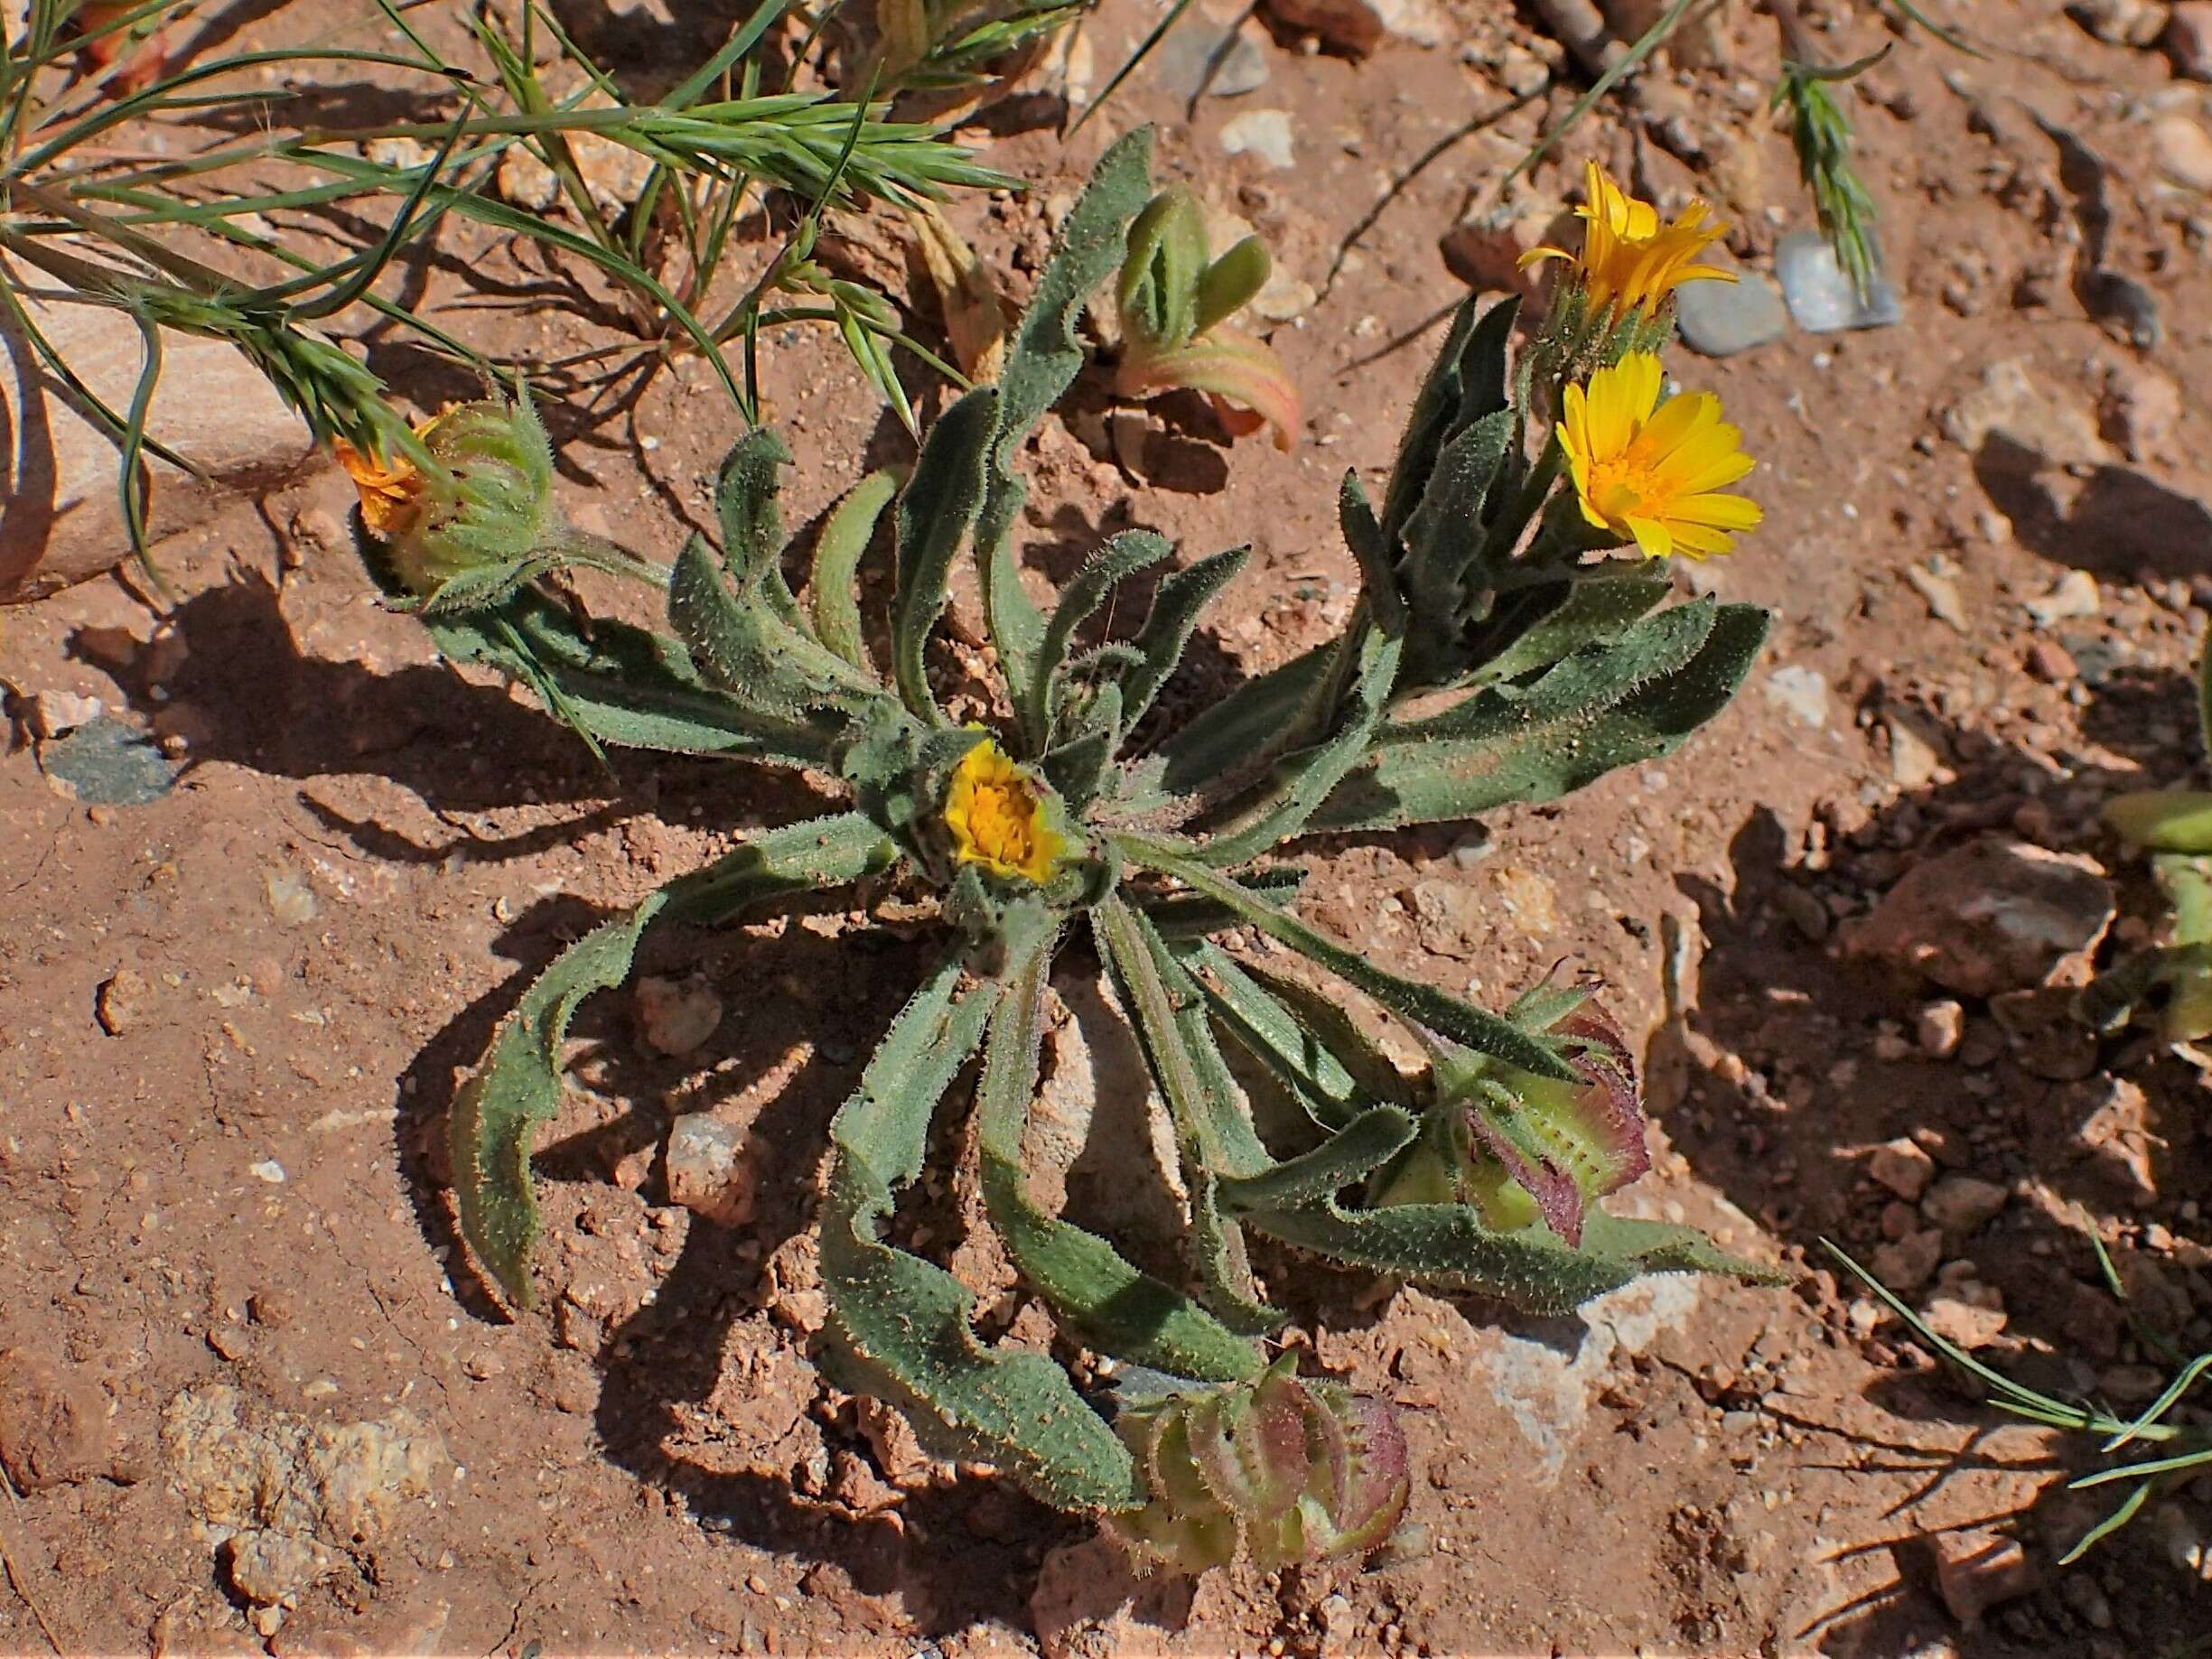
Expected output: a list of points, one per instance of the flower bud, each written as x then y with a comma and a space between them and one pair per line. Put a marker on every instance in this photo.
1285, 1468
1525, 1149
485, 500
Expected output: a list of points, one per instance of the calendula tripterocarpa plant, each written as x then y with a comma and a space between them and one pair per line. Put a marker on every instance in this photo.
1540, 660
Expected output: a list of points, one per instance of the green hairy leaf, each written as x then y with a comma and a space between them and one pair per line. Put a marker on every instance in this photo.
1446, 1245
902, 1327
1604, 707
519, 1084
1042, 357
837, 553
1084, 1277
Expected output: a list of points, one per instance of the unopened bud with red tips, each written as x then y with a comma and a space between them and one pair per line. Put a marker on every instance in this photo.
1281, 1469
1525, 1149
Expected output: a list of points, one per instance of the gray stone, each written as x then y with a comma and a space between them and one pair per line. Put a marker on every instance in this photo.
109, 764
1722, 318
1800, 692
1821, 297
1239, 65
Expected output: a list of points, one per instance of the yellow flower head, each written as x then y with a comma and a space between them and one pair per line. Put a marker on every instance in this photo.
391, 492
997, 818
1630, 260
1648, 474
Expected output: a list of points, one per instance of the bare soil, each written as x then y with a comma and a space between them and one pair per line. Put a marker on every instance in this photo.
231, 1019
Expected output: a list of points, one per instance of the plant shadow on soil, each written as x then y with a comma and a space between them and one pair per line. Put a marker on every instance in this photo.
1786, 1094
2117, 523
317, 717
666, 1362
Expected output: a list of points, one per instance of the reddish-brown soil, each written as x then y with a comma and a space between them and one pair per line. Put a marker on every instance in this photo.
225, 1171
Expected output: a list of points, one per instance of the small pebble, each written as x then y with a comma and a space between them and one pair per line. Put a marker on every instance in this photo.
1977, 1568
1963, 1203
1723, 318
677, 1016
117, 1002
1903, 1167
2049, 662
1942, 1027
1265, 134
1820, 295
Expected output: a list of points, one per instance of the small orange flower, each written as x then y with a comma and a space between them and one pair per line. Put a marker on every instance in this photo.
1630, 260
998, 818
391, 492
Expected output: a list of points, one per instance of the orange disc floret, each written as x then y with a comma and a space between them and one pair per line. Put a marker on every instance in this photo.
999, 818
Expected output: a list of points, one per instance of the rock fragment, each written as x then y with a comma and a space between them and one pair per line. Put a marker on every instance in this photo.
1358, 26
1977, 1568
1821, 296
1963, 1203
1993, 915
116, 1003
706, 1174
2188, 39
1904, 1166
1265, 134
53, 1425
677, 1016
1725, 319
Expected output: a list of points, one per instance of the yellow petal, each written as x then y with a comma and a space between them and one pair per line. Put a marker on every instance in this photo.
1720, 512
1678, 422
1653, 538
1699, 541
